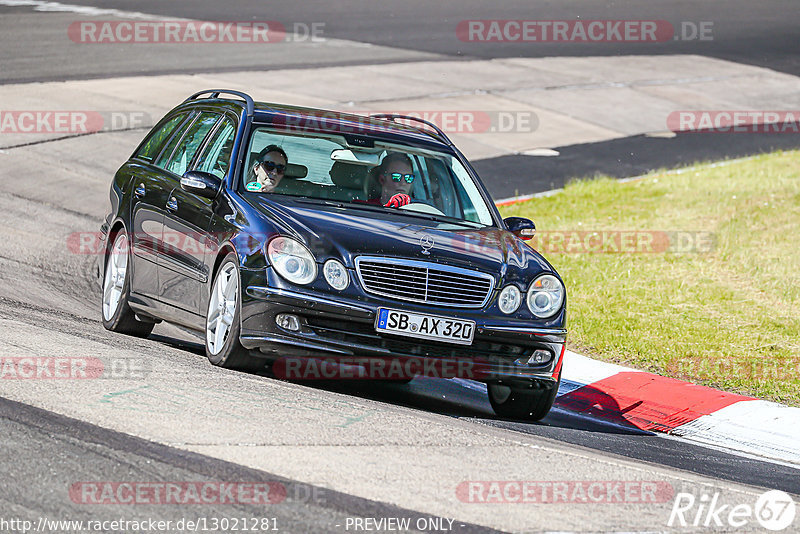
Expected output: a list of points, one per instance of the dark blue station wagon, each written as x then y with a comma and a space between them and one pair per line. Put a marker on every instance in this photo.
290, 236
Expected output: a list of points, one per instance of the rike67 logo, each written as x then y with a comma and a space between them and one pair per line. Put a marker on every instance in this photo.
774, 510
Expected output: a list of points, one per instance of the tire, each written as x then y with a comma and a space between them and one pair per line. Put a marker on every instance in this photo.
223, 321
530, 403
117, 315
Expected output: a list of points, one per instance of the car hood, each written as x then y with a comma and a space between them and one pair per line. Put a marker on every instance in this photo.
345, 232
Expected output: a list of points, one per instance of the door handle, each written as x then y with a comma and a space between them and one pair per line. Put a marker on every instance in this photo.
139, 191
172, 204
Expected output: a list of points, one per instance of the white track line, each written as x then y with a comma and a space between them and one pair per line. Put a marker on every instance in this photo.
58, 7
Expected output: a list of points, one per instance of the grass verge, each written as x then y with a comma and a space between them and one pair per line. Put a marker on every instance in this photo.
694, 275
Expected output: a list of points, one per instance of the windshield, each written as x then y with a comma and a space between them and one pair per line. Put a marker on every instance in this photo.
325, 167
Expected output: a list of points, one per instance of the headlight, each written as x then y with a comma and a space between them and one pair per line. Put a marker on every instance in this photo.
292, 260
510, 299
545, 296
336, 275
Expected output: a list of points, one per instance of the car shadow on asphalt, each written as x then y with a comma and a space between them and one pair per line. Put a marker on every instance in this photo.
456, 398
182, 344
467, 399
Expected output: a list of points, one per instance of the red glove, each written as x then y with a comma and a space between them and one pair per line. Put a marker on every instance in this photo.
400, 199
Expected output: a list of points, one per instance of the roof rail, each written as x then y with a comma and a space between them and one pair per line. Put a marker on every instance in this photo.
214, 93
440, 135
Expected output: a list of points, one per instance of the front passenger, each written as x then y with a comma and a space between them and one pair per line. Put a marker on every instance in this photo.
268, 171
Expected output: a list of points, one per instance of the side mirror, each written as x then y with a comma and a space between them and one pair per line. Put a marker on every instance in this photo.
201, 183
521, 227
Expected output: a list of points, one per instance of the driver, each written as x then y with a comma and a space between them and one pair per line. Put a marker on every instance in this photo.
395, 175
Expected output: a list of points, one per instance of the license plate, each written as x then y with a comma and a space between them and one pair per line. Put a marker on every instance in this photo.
425, 326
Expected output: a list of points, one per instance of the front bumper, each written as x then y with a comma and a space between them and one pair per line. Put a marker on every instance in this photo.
341, 331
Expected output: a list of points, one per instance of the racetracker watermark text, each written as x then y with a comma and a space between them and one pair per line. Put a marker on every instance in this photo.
566, 491
450, 121
550, 241
582, 31
623, 242
766, 368
387, 368
735, 121
177, 492
193, 32
72, 368
69, 122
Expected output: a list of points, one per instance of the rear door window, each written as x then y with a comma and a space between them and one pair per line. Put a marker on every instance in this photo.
158, 137
182, 152
216, 158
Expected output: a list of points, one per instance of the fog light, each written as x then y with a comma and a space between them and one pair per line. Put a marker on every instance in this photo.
538, 357
336, 275
288, 321
510, 299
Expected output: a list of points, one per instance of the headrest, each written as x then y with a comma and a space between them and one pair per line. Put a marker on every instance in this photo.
373, 187
348, 175
293, 170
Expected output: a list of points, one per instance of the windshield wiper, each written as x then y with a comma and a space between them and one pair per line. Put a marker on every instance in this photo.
445, 219
349, 204
339, 203
318, 201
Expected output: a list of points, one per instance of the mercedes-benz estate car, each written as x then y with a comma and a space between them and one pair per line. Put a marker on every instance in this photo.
289, 236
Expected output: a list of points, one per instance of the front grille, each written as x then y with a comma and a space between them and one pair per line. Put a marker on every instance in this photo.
365, 334
428, 283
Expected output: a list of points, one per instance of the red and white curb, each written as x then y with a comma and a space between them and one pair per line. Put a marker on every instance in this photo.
695, 413
636, 399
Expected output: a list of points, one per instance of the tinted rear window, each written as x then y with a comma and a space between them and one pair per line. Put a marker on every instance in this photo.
157, 137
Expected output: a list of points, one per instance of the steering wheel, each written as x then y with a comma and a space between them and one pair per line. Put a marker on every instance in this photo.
422, 207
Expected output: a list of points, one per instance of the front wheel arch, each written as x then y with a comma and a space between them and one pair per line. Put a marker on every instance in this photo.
222, 253
123, 320
112, 233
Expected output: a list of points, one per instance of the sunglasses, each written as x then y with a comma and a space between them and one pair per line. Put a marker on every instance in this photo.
272, 166
397, 176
